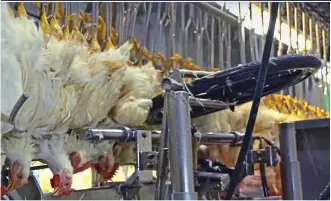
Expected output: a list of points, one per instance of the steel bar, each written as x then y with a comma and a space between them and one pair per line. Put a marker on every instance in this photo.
163, 155
205, 7
290, 166
180, 146
129, 135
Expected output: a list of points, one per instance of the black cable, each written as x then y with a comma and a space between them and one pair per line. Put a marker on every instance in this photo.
325, 195
263, 173
256, 101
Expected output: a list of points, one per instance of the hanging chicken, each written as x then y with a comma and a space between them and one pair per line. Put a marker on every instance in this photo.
271, 113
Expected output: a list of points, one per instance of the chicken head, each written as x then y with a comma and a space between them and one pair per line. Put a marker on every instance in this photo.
61, 183
18, 175
53, 153
20, 152
3, 192
81, 153
78, 163
106, 167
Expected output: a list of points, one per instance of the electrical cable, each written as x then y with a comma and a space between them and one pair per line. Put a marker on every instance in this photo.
256, 101
325, 195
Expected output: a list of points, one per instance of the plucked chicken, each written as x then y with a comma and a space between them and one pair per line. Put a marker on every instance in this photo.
66, 79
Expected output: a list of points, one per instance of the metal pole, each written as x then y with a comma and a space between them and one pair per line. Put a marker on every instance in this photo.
180, 147
162, 172
290, 166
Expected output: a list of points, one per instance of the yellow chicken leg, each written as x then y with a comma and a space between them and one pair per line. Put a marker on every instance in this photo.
95, 46
21, 12
44, 23
10, 11
56, 29
102, 30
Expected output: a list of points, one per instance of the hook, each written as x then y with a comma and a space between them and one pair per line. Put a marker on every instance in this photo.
147, 20
310, 21
228, 51
182, 29
120, 22
296, 28
288, 14
205, 24
280, 46
212, 51
221, 35
304, 28
199, 38
173, 31
109, 17
53, 10
251, 34
95, 15
158, 16
241, 34
18, 105
127, 20
263, 35
189, 22
161, 24
317, 37
133, 21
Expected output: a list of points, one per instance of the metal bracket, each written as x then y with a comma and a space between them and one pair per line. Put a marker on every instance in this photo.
148, 160
144, 144
211, 182
267, 155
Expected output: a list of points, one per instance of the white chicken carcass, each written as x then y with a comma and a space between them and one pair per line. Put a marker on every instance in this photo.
140, 85
20, 152
81, 153
22, 53
20, 59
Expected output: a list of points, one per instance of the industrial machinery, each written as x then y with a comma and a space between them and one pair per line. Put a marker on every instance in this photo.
181, 175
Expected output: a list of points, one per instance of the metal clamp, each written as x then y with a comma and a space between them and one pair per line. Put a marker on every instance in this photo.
267, 155
148, 160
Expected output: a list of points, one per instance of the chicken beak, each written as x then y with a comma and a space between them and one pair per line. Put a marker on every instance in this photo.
56, 191
101, 179
11, 186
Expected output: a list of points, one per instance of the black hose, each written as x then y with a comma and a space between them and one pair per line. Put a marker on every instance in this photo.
256, 101
325, 195
263, 174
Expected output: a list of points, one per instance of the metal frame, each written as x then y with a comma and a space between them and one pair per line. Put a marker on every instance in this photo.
290, 166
